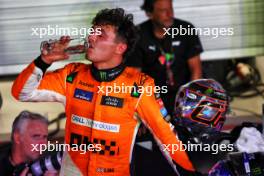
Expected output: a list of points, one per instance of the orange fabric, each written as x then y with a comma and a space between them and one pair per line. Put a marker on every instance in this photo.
93, 117
21, 80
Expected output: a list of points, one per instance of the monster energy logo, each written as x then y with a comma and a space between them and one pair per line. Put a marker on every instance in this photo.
103, 75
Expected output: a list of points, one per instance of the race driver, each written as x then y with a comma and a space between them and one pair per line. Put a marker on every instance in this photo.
94, 117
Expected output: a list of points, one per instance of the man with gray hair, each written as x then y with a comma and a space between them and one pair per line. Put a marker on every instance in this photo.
28, 129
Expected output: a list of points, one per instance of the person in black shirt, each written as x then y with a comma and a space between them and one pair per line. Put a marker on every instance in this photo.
170, 60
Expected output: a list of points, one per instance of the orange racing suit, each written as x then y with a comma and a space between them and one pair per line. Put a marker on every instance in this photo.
96, 118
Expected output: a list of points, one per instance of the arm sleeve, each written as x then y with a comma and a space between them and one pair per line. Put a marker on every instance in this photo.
194, 46
33, 85
151, 111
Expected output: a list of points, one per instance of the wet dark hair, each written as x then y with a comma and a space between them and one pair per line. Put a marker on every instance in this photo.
148, 5
125, 29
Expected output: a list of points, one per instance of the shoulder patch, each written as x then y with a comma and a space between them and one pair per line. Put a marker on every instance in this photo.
135, 91
70, 78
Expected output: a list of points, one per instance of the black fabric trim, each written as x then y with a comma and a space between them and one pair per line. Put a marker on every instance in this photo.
107, 75
41, 64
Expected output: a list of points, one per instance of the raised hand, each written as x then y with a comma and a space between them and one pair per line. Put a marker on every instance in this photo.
55, 50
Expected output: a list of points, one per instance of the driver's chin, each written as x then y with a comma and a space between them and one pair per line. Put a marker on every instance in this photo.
89, 57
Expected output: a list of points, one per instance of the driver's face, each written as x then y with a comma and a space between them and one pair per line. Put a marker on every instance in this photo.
102, 47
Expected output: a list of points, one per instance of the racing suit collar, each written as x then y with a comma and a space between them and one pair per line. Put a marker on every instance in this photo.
107, 75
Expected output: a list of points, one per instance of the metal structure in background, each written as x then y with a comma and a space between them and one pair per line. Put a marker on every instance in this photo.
18, 18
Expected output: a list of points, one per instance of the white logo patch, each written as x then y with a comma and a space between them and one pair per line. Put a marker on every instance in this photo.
176, 43
153, 48
95, 124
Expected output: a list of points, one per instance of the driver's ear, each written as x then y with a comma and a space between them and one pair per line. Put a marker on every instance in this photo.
121, 48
